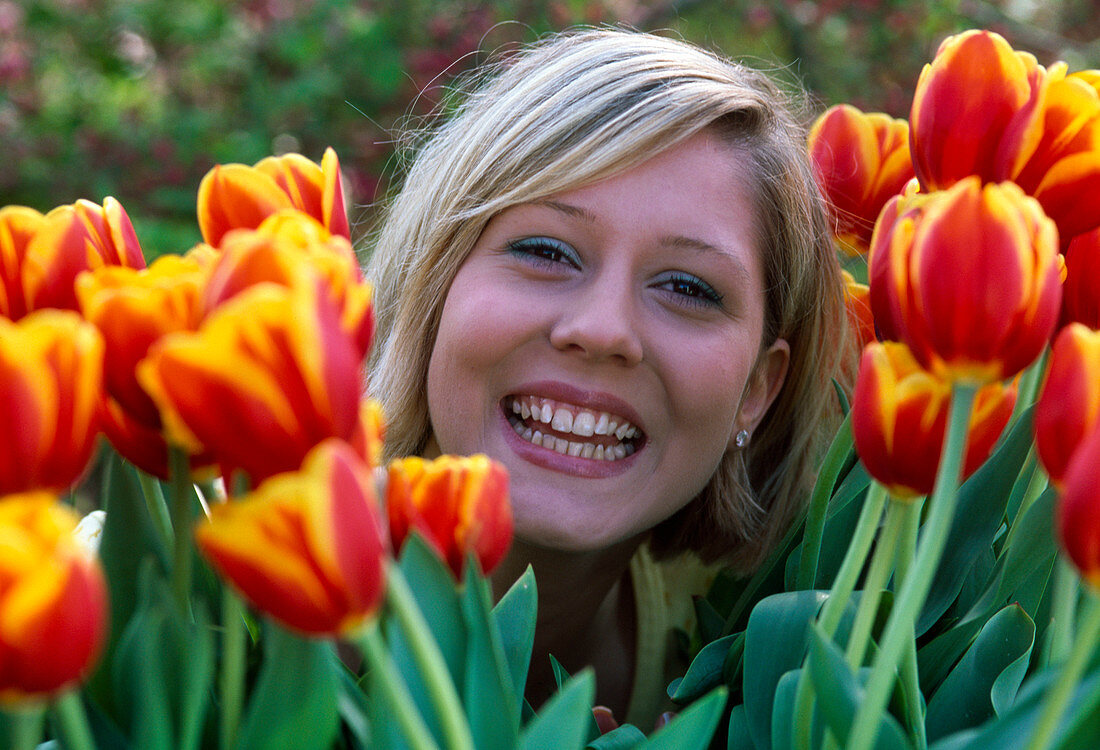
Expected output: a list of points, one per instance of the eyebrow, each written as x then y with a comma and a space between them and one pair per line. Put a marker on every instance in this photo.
575, 211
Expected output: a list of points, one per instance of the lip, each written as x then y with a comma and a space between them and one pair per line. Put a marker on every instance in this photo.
573, 465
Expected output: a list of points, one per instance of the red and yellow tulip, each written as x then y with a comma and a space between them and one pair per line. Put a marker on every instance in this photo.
857, 300
968, 277
73, 239
861, 160
307, 547
18, 224
235, 196
1078, 520
51, 382
1069, 405
270, 374
899, 420
53, 599
1081, 290
459, 505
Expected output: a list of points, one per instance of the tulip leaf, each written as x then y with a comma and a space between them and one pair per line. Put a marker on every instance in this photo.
692, 727
839, 693
840, 522
302, 717
707, 668
775, 643
563, 722
623, 737
737, 737
987, 677
514, 618
982, 501
487, 691
354, 710
783, 714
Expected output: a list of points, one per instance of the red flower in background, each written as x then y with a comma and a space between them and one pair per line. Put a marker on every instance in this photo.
1069, 404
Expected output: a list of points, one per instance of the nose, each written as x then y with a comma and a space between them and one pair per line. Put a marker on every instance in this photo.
599, 322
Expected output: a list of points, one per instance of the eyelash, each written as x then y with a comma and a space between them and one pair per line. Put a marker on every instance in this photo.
687, 290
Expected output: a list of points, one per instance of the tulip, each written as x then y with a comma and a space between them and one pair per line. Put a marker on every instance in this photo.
53, 599
73, 239
861, 161
899, 420
51, 380
857, 300
458, 504
968, 277
235, 196
369, 436
1078, 527
18, 224
1081, 290
1069, 405
290, 248
269, 375
307, 547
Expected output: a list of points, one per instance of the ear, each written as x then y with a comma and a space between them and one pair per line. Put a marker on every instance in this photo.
763, 386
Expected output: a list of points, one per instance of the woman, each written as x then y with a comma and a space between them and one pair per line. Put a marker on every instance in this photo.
610, 271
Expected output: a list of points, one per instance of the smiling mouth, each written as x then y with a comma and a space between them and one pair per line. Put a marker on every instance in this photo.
572, 430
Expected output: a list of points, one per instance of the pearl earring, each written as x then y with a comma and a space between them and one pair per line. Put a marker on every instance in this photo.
741, 439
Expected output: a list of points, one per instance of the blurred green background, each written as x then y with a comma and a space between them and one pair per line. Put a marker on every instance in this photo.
139, 98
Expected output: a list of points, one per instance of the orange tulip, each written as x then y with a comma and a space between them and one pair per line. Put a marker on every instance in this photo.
72, 239
18, 224
1078, 529
307, 547
458, 504
982, 108
235, 196
270, 374
51, 380
899, 420
290, 248
1069, 406
1081, 290
861, 161
53, 599
968, 277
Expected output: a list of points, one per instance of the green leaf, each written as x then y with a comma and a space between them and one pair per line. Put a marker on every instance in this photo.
981, 510
694, 726
514, 618
621, 738
707, 668
839, 694
353, 709
988, 675
783, 714
708, 622
487, 691
738, 738
775, 643
564, 720
293, 704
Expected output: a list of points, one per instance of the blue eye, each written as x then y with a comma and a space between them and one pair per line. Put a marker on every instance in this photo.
690, 290
544, 251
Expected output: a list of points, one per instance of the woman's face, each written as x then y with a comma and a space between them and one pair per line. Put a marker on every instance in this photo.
605, 345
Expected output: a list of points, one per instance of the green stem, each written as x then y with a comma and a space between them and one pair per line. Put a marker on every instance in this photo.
232, 677
882, 564
910, 676
833, 609
1063, 611
819, 504
1061, 691
910, 599
72, 722
393, 691
179, 474
430, 661
25, 725
158, 509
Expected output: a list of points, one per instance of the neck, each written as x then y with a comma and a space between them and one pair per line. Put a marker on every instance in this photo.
585, 616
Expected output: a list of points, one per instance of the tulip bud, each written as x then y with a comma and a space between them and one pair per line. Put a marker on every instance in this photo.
307, 547
968, 278
53, 599
1069, 405
1081, 290
899, 420
1078, 527
861, 161
458, 504
18, 224
51, 381
234, 196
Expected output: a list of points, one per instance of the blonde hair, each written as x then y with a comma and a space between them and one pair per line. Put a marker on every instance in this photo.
568, 111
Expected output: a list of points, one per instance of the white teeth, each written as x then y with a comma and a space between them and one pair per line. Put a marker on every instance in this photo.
537, 438
619, 451
561, 446
563, 420
547, 412
525, 410
620, 433
601, 424
598, 453
575, 448
535, 412
549, 441
528, 435
584, 423
516, 407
